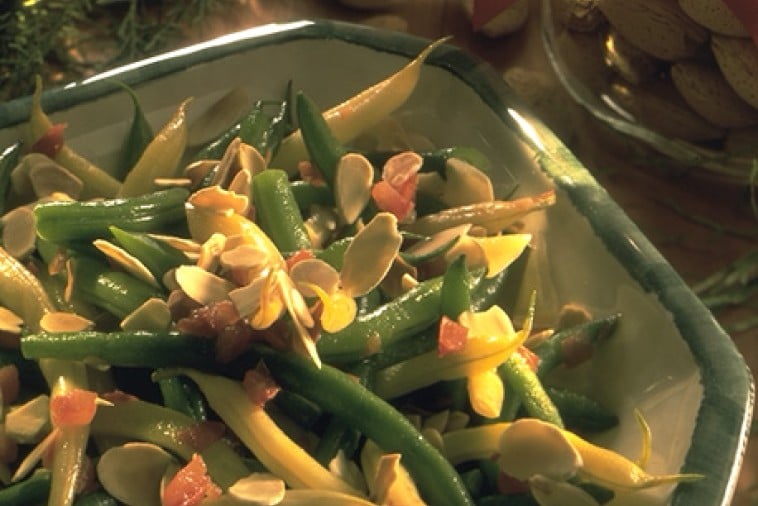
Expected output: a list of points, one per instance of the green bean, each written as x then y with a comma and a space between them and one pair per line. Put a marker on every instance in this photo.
68, 221
263, 131
337, 393
308, 194
33, 490
584, 337
301, 410
215, 149
183, 396
335, 252
116, 292
125, 349
324, 149
581, 413
137, 139
455, 297
394, 321
157, 256
338, 435
144, 421
8, 161
519, 377
277, 212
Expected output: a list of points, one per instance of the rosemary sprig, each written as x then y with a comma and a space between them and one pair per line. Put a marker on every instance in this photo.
64, 40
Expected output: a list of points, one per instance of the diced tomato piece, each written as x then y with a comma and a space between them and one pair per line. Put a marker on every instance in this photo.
451, 337
201, 435
73, 408
388, 199
259, 385
191, 485
299, 256
531, 358
51, 141
118, 396
507, 484
310, 173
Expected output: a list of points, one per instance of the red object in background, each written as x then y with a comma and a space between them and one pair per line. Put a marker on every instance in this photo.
485, 10
747, 12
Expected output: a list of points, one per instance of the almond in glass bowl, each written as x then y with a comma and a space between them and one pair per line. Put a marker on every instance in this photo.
678, 76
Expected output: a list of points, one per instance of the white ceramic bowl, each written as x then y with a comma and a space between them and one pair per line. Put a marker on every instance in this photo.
668, 358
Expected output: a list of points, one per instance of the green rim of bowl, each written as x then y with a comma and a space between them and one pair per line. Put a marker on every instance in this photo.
723, 421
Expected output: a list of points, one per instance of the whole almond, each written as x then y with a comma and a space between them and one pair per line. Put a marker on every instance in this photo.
704, 88
714, 15
658, 27
630, 62
658, 106
738, 60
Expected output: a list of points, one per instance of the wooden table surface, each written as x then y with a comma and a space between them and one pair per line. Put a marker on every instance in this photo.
698, 226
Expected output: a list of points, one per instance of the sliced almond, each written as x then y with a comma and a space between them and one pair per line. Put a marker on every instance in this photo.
132, 473
716, 16
530, 447
202, 286
315, 272
466, 184
29, 422
153, 314
210, 251
251, 160
262, 489
352, 185
126, 260
378, 241
10, 321
738, 60
61, 321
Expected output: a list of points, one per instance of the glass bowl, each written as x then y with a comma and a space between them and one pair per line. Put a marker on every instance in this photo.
679, 111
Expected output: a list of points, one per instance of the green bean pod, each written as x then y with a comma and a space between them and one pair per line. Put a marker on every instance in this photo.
337, 393
324, 149
157, 256
69, 221
307, 195
553, 351
124, 349
183, 396
33, 490
276, 211
581, 413
137, 139
116, 292
524, 383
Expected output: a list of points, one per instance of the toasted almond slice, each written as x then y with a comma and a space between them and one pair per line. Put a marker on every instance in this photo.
263, 489
436, 244
126, 260
62, 321
370, 255
180, 243
132, 473
19, 237
218, 199
48, 178
353, 179
33, 457
251, 160
20, 180
10, 321
466, 184
228, 164
244, 256
530, 447
28, 423
437, 421
153, 314
457, 420
210, 251
202, 286
317, 272
240, 184
170, 182
196, 171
